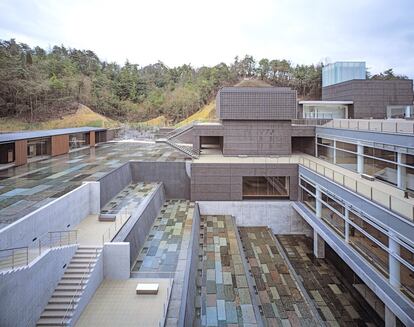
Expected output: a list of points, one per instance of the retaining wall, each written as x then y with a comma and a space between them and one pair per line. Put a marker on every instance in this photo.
59, 215
137, 227
277, 215
24, 292
173, 175
113, 182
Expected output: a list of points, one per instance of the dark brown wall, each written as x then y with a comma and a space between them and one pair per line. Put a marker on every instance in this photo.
20, 154
370, 97
304, 145
92, 138
223, 182
60, 144
257, 137
256, 103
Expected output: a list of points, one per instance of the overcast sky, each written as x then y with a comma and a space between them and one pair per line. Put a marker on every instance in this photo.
380, 32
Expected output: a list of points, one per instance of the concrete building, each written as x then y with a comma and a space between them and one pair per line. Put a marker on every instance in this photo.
260, 220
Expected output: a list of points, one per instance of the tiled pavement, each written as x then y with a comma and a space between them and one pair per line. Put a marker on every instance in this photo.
25, 188
225, 296
160, 252
282, 303
325, 285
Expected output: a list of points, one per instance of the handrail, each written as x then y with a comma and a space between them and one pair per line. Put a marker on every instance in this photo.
374, 125
46, 241
116, 227
71, 305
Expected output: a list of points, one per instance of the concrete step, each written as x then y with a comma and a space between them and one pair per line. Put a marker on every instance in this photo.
72, 270
84, 257
62, 300
75, 276
66, 294
72, 282
81, 265
52, 322
69, 287
82, 260
57, 314
57, 307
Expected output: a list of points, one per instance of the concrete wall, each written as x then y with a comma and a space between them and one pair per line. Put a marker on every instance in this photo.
277, 215
370, 97
189, 292
223, 182
304, 144
172, 174
116, 260
61, 214
137, 227
26, 291
113, 182
257, 137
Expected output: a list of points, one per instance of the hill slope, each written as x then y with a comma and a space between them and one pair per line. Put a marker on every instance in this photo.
82, 117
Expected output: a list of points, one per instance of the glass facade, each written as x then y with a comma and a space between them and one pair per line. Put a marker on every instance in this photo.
265, 187
78, 140
39, 147
364, 235
342, 71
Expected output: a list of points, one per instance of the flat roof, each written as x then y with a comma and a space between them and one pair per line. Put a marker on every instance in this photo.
15, 136
325, 102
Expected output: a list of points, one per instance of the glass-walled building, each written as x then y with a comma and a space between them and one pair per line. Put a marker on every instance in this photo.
342, 71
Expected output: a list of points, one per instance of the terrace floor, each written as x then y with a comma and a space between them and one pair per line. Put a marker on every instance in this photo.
281, 300
328, 289
26, 188
224, 291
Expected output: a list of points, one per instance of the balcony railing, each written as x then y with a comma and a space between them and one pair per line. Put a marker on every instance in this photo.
400, 126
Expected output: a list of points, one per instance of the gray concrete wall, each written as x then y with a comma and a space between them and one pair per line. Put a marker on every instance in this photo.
370, 97
257, 137
136, 229
25, 292
113, 182
223, 182
95, 279
277, 215
189, 292
116, 260
59, 215
172, 174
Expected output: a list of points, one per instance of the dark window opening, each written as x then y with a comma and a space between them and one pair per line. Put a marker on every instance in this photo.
257, 187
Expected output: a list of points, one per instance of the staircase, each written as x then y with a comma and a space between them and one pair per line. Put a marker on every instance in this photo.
188, 150
178, 131
64, 300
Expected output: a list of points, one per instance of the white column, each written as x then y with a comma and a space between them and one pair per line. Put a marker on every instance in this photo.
346, 225
401, 172
318, 245
360, 159
394, 264
389, 318
334, 152
318, 202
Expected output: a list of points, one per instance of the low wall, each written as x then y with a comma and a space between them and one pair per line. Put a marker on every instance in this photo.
172, 174
95, 279
189, 292
25, 292
277, 215
58, 215
113, 182
116, 260
136, 229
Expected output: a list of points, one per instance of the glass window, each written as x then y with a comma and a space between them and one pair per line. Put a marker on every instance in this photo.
346, 146
410, 178
265, 187
308, 186
346, 160
407, 281
78, 140
382, 170
370, 229
334, 220
38, 147
309, 200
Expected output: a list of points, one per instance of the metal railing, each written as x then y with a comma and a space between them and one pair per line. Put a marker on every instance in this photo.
21, 256
311, 121
121, 217
79, 288
398, 205
374, 125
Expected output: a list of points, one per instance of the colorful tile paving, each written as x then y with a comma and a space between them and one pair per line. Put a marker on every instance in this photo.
225, 296
26, 188
327, 288
160, 252
281, 301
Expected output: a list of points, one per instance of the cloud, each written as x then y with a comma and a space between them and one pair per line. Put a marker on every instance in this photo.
379, 32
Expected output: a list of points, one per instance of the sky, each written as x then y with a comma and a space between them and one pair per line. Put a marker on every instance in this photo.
197, 32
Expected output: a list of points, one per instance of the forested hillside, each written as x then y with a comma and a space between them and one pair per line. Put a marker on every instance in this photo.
38, 84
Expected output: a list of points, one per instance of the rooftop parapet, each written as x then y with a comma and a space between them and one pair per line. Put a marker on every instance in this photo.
374, 125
